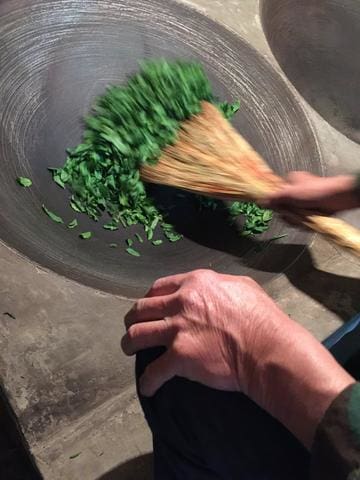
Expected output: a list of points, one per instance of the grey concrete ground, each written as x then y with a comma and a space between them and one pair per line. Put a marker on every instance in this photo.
60, 361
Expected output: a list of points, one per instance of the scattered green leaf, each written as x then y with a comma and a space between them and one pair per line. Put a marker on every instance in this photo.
157, 242
139, 237
85, 235
74, 206
133, 252
113, 245
75, 456
55, 218
111, 226
130, 242
24, 182
73, 224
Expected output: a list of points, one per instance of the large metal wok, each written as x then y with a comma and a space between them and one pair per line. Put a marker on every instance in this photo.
55, 57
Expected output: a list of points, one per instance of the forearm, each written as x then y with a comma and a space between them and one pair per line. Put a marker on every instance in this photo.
299, 381
322, 194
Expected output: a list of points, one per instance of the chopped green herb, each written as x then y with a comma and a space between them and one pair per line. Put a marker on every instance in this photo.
257, 219
73, 224
133, 252
129, 126
228, 109
58, 180
139, 237
170, 233
74, 206
75, 456
113, 245
85, 235
157, 242
129, 242
278, 237
24, 182
150, 234
111, 226
55, 218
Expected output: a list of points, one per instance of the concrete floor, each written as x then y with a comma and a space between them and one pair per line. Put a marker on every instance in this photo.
67, 381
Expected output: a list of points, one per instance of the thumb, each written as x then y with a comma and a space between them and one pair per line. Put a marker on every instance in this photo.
157, 373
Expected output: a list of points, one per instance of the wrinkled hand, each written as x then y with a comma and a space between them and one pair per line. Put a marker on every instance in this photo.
321, 194
212, 325
226, 333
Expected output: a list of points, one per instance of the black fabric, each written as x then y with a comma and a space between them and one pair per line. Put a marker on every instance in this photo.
205, 434
336, 449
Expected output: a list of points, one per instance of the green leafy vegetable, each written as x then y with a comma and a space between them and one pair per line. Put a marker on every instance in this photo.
73, 224
85, 235
257, 219
74, 206
58, 180
55, 218
129, 126
157, 242
170, 233
139, 237
24, 182
129, 242
229, 109
111, 226
133, 252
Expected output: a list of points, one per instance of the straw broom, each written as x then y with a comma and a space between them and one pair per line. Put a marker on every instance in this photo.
211, 158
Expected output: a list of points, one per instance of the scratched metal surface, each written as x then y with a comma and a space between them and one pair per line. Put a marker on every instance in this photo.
55, 56
319, 54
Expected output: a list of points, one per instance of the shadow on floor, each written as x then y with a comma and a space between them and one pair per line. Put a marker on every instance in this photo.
336, 292
139, 468
15, 463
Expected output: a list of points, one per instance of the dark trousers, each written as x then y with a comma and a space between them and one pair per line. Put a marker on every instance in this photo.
204, 434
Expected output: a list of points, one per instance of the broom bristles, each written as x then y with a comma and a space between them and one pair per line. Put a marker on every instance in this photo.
209, 157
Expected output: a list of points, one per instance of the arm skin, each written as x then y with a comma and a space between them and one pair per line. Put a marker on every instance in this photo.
321, 194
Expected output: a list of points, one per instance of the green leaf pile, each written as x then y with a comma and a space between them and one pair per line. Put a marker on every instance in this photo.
129, 126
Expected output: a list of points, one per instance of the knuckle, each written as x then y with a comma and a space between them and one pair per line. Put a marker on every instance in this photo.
191, 297
158, 283
201, 272
249, 281
203, 275
181, 297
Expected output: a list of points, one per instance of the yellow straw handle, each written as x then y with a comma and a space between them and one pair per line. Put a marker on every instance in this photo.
340, 232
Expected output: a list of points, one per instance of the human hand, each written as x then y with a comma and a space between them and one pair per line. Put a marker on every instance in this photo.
206, 321
225, 332
321, 194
